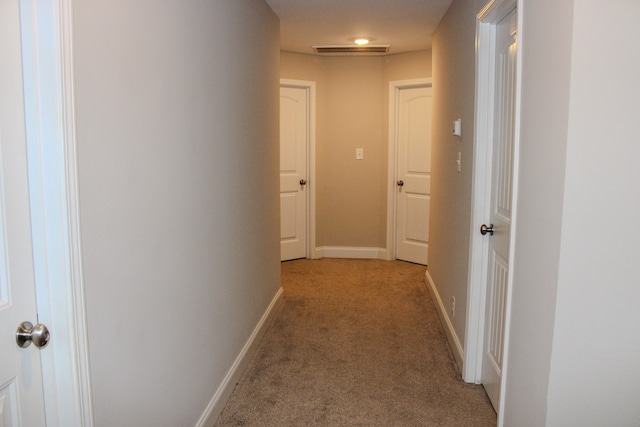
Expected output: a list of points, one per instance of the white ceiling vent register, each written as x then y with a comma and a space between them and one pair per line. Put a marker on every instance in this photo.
352, 50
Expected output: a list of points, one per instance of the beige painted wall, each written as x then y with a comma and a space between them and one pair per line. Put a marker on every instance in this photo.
453, 98
347, 199
177, 133
352, 112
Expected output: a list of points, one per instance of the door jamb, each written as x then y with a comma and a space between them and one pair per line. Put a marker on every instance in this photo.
392, 196
486, 22
47, 33
310, 87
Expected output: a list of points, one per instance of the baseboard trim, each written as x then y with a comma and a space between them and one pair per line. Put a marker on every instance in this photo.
350, 252
452, 337
219, 400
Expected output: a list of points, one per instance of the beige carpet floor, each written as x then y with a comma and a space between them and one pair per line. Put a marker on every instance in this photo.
357, 343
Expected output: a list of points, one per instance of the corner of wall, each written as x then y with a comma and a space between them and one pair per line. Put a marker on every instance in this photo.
452, 336
222, 394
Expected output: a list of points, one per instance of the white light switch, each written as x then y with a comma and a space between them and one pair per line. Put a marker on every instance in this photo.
457, 127
359, 153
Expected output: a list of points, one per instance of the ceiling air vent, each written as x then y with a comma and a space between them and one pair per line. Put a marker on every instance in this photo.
352, 50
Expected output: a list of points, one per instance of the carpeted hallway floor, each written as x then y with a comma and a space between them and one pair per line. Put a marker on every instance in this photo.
357, 343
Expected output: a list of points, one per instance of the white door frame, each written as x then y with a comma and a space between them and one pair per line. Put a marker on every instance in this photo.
392, 195
47, 39
310, 187
487, 19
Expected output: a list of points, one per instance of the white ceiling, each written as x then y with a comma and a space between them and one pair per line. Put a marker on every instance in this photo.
406, 25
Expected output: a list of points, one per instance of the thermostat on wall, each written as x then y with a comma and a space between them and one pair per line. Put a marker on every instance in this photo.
457, 127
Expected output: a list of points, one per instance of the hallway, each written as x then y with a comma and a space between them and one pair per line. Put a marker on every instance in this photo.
358, 342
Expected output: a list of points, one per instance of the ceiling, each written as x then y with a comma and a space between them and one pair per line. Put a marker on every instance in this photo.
405, 25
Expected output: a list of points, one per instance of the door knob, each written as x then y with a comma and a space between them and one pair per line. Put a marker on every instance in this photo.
27, 333
400, 183
303, 182
484, 229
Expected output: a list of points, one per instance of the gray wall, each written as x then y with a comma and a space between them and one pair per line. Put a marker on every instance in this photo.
177, 128
594, 376
453, 98
546, 40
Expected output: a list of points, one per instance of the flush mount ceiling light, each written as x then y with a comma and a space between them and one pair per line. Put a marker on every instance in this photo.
361, 42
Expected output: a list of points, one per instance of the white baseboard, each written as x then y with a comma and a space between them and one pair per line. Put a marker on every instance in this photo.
350, 252
452, 337
219, 400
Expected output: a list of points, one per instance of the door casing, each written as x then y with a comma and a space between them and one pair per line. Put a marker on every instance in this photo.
487, 19
47, 47
394, 88
310, 189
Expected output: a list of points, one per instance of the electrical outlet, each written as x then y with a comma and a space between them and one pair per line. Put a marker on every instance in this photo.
453, 306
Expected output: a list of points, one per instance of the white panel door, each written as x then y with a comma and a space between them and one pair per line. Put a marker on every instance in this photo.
21, 395
294, 134
500, 217
413, 173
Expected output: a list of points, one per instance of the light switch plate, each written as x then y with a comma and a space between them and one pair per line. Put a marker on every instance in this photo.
457, 127
359, 153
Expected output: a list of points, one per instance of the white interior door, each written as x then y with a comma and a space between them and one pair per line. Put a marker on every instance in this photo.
21, 392
294, 134
413, 173
501, 205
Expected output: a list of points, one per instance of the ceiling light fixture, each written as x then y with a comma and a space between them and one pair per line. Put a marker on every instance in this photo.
361, 42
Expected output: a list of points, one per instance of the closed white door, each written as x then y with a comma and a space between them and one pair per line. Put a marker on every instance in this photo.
294, 134
499, 227
413, 174
21, 395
